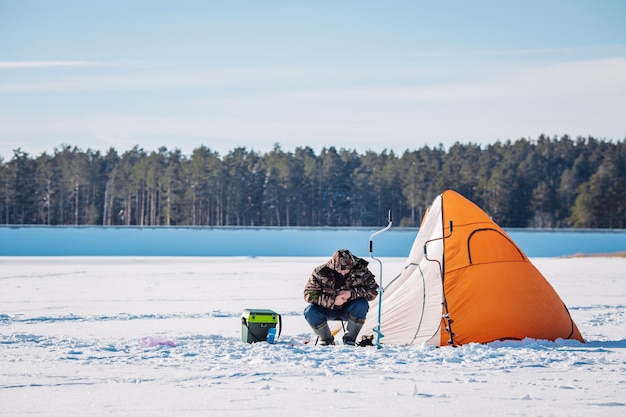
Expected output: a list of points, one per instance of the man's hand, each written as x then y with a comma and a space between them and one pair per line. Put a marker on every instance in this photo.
342, 297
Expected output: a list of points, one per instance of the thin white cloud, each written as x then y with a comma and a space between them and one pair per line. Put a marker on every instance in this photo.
51, 64
135, 77
607, 48
572, 80
336, 83
576, 98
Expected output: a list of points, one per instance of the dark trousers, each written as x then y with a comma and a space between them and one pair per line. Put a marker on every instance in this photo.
316, 315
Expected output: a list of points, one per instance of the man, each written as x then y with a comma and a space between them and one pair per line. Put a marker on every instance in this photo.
339, 289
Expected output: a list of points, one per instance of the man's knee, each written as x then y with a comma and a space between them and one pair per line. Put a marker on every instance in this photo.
359, 308
313, 316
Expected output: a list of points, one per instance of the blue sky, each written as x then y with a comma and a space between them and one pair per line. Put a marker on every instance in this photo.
360, 75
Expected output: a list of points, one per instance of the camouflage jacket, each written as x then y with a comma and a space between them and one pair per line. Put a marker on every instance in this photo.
325, 283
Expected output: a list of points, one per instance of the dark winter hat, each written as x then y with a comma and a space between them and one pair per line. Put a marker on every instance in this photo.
343, 259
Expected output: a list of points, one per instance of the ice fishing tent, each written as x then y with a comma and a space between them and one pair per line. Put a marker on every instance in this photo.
466, 281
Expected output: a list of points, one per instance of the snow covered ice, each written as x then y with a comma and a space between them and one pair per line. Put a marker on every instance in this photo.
71, 332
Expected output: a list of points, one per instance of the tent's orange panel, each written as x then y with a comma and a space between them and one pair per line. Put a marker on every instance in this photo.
495, 301
489, 245
466, 219
492, 290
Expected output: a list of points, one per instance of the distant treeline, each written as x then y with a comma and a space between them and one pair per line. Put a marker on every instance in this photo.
547, 182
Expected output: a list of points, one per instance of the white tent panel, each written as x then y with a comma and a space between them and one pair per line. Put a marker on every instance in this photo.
411, 302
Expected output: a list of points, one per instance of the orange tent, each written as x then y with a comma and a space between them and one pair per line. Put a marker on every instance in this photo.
466, 281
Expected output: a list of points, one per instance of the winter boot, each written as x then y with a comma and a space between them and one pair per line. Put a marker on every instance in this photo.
352, 330
325, 337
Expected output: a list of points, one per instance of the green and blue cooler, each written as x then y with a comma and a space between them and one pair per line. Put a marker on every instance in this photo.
255, 324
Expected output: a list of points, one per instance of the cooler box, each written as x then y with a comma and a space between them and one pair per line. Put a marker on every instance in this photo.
256, 322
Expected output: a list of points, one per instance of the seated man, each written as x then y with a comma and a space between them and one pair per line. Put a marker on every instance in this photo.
339, 289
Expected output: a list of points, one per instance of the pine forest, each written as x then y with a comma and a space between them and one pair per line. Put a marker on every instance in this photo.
546, 182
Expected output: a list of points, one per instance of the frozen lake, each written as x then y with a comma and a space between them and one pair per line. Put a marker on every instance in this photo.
175, 241
71, 331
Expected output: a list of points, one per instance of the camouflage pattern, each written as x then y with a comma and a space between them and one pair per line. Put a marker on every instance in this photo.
343, 259
320, 288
